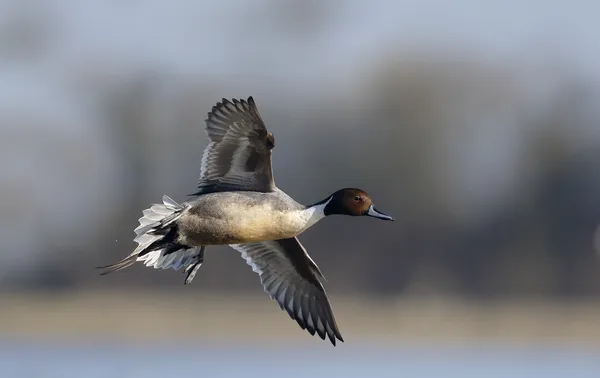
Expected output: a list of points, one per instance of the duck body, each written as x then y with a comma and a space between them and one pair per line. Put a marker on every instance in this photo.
244, 217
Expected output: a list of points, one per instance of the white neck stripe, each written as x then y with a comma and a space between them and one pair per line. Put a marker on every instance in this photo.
315, 213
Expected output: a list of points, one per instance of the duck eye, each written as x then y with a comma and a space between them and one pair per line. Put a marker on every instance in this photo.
357, 198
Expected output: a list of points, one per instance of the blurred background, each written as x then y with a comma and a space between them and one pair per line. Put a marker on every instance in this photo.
475, 124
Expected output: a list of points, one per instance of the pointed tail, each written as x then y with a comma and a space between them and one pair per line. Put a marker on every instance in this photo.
156, 237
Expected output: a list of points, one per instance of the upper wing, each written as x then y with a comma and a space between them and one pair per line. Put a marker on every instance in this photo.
238, 156
290, 277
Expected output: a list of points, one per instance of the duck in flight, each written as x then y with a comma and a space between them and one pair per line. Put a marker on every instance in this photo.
238, 204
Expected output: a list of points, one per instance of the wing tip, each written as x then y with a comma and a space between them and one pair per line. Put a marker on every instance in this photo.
329, 330
338, 336
334, 335
232, 101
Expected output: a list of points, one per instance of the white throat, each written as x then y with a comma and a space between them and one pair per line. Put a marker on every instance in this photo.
314, 213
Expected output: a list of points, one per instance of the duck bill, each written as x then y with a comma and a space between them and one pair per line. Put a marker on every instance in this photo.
373, 212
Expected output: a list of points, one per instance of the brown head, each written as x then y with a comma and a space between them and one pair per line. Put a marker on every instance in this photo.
352, 201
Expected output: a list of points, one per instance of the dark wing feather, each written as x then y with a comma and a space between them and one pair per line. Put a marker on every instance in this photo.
238, 156
291, 278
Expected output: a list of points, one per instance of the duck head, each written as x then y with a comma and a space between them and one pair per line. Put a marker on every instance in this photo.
353, 202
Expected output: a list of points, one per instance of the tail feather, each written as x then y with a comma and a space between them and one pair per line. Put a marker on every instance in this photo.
125, 263
156, 237
168, 201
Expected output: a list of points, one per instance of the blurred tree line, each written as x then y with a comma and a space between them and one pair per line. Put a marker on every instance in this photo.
491, 170
416, 135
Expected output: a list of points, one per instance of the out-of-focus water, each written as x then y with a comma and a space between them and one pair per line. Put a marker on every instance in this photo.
105, 360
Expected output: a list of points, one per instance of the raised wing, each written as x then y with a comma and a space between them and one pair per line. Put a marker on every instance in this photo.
291, 278
238, 156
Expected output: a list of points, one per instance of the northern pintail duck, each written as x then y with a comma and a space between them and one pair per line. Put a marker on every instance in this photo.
238, 204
